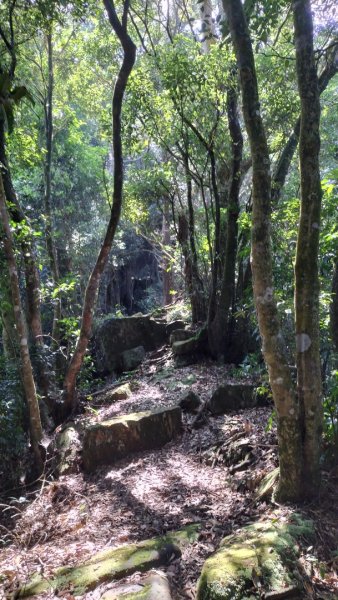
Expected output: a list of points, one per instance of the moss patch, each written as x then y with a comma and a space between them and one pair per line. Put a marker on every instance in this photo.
113, 564
263, 552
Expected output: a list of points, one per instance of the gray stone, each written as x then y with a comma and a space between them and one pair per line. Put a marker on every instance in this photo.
114, 336
190, 402
179, 335
106, 442
153, 587
175, 326
67, 443
232, 396
131, 359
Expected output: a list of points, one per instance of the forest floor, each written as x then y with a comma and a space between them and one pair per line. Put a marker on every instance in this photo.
66, 521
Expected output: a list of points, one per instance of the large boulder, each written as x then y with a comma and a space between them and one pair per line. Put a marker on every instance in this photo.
232, 396
188, 351
259, 558
112, 564
117, 335
106, 442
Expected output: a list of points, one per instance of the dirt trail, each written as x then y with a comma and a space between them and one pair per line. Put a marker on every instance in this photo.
149, 494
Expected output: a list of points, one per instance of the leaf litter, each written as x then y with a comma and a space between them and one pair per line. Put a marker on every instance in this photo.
196, 478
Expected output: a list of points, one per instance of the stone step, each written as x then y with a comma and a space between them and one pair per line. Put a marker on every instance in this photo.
108, 441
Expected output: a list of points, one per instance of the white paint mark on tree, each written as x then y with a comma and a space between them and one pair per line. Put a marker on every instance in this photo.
303, 342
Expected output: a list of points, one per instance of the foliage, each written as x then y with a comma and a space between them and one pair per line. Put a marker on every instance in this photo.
12, 424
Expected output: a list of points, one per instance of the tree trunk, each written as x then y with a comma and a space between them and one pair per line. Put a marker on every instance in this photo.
334, 306
51, 249
309, 385
129, 54
218, 328
28, 251
26, 366
274, 349
167, 270
193, 282
283, 164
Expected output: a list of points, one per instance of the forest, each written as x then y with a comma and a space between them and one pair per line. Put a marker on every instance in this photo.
169, 299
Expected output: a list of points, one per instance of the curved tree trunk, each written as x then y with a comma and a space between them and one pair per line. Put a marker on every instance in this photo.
309, 384
129, 54
274, 349
26, 366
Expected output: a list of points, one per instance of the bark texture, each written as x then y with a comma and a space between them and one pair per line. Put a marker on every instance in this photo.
129, 54
26, 366
274, 350
309, 385
218, 328
334, 307
50, 243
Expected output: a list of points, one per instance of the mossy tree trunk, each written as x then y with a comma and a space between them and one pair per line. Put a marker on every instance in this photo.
309, 385
120, 27
274, 349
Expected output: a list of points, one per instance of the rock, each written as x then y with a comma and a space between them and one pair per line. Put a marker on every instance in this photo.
153, 587
174, 326
108, 441
68, 446
232, 396
123, 392
190, 402
130, 359
189, 351
114, 336
261, 555
113, 564
179, 335
266, 486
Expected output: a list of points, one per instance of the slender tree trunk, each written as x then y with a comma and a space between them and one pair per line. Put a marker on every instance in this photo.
193, 283
274, 349
283, 164
28, 251
26, 366
129, 54
309, 385
167, 270
334, 306
51, 249
218, 328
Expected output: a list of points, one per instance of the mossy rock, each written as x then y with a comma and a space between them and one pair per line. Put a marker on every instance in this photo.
108, 441
113, 564
264, 551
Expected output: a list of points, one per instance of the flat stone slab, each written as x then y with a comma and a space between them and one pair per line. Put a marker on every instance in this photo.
113, 564
153, 587
106, 442
232, 396
260, 556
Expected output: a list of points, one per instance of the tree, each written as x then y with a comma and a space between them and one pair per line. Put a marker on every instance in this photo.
298, 411
26, 365
129, 53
